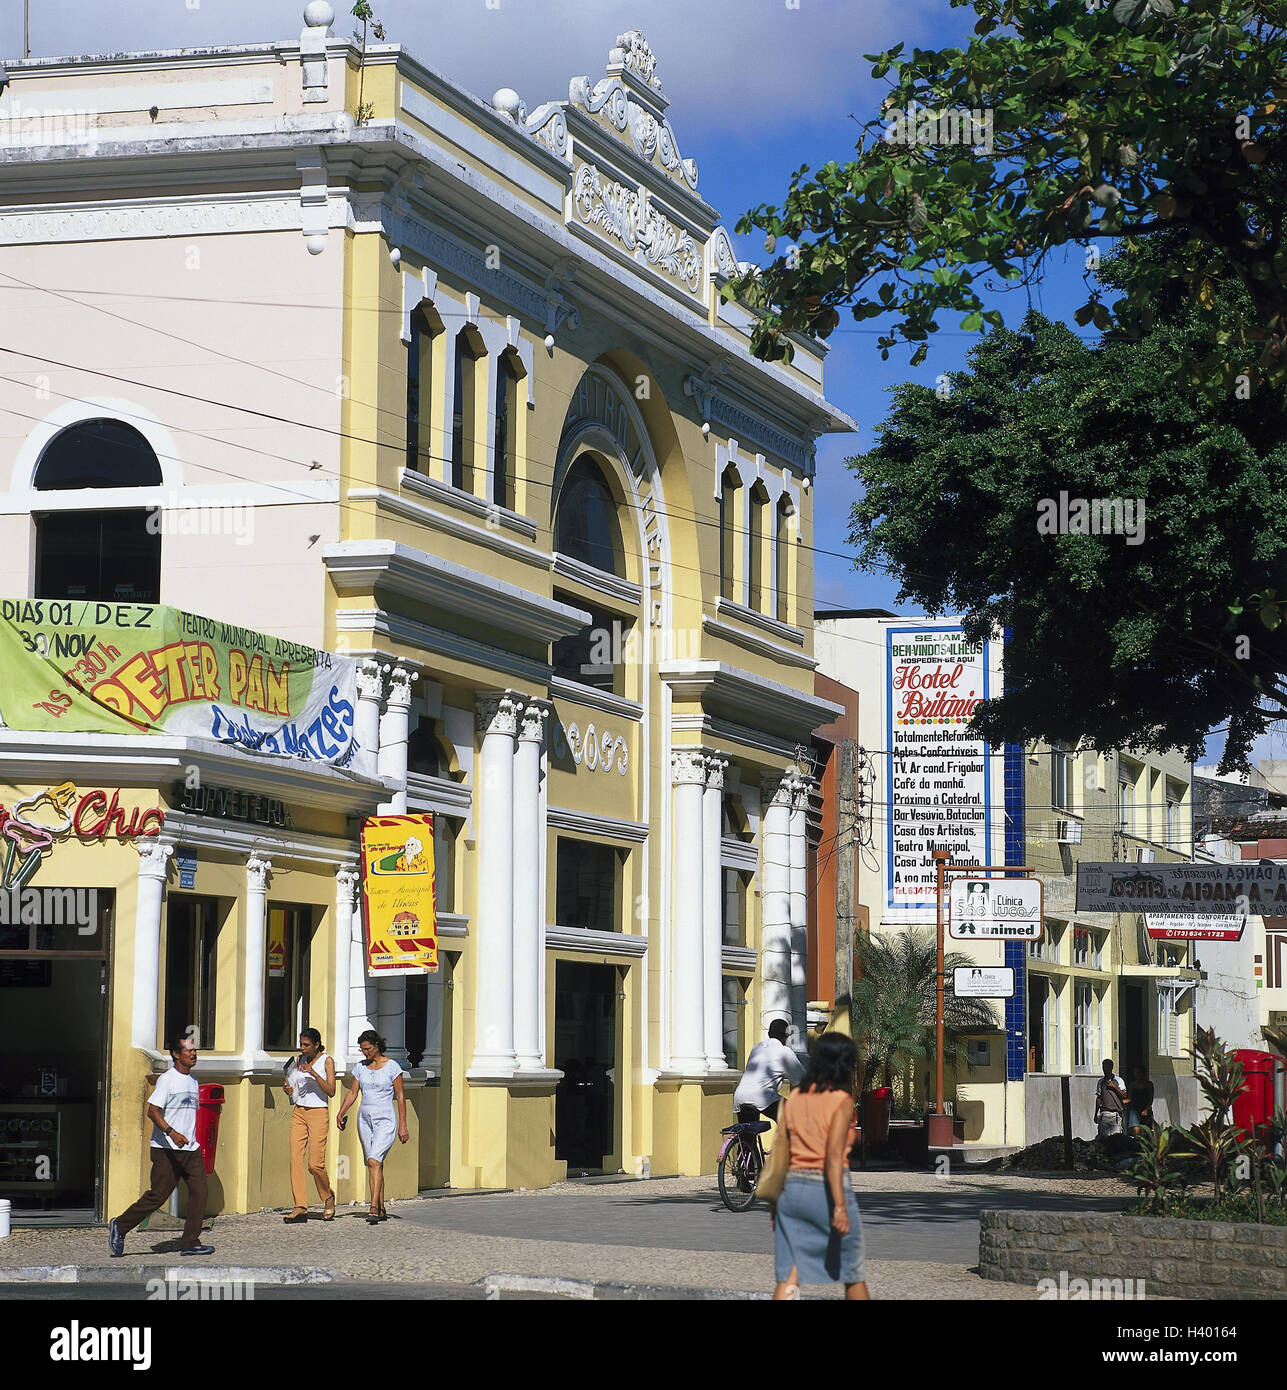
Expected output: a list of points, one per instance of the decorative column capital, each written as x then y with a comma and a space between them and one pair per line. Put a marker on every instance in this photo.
800, 789
534, 716
346, 882
154, 858
400, 682
778, 789
715, 765
687, 767
498, 714
257, 870
370, 680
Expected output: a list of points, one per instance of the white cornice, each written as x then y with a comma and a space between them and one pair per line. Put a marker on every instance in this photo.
440, 642
596, 943
411, 510
360, 567
762, 646
726, 608
748, 697
236, 838
610, 585
467, 502
602, 700
438, 794
145, 760
738, 957
596, 825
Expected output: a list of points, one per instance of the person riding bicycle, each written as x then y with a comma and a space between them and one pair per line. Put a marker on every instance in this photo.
769, 1063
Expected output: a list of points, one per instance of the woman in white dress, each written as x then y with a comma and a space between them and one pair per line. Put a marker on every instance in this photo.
380, 1080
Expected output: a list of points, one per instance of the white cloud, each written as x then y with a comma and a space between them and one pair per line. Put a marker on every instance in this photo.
732, 67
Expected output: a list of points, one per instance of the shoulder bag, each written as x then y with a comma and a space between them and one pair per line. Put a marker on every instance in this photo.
773, 1178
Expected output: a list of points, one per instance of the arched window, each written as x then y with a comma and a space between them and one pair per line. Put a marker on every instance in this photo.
420, 392
505, 439
585, 519
730, 532
424, 752
98, 453
108, 553
782, 558
464, 410
759, 546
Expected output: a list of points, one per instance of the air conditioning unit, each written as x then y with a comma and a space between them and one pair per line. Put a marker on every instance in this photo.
1068, 832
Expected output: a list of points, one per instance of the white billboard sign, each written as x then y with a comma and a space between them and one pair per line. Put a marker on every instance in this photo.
983, 982
939, 787
1005, 908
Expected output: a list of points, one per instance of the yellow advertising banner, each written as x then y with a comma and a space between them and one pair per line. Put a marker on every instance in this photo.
398, 902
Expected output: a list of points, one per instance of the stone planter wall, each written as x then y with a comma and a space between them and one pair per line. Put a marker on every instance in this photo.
1176, 1259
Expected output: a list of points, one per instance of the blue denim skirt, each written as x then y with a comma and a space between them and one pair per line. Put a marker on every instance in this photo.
803, 1236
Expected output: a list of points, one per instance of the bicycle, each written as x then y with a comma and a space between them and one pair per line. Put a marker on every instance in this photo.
741, 1161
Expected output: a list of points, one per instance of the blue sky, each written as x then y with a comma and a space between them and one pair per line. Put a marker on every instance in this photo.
757, 88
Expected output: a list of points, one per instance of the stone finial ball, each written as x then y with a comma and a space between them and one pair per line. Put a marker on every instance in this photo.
507, 101
318, 14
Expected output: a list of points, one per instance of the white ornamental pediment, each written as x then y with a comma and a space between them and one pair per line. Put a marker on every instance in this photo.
628, 216
628, 101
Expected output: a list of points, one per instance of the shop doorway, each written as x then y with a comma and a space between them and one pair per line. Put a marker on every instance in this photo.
53, 1066
587, 1050
1132, 1030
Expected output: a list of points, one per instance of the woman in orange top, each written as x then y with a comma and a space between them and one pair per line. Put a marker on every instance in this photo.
817, 1229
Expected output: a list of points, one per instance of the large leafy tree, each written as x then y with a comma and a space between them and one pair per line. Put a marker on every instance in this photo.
1150, 644
1096, 119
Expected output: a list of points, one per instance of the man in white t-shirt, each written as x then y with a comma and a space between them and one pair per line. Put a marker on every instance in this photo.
769, 1064
176, 1155
1110, 1102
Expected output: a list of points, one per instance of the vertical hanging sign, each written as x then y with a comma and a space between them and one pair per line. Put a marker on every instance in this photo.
399, 908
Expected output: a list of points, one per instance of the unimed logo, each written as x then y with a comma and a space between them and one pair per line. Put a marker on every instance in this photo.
77, 1343
1080, 1290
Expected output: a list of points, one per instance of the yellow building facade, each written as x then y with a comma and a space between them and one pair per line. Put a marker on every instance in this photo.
448, 389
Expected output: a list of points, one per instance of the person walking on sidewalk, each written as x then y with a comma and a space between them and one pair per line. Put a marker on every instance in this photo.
176, 1155
1110, 1102
310, 1083
380, 1080
816, 1225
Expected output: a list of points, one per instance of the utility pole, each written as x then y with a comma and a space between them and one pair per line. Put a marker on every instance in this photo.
846, 822
26, 28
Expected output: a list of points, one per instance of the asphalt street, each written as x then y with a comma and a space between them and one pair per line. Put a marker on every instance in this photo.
937, 1225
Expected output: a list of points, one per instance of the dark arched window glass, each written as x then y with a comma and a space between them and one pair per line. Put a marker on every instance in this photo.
505, 442
98, 453
585, 521
109, 553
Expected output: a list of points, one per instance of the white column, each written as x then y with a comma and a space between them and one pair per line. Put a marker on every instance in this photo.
366, 718
391, 1016
154, 859
494, 1001
393, 739
687, 949
257, 871
799, 830
713, 913
529, 897
361, 990
346, 880
775, 900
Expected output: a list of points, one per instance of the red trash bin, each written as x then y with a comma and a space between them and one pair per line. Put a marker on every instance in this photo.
875, 1114
209, 1104
1253, 1106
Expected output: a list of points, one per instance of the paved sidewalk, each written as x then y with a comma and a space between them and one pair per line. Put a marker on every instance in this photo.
921, 1234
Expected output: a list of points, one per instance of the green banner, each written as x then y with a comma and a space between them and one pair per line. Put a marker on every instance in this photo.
88, 667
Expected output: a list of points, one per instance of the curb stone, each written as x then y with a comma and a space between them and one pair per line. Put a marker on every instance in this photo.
604, 1290
134, 1274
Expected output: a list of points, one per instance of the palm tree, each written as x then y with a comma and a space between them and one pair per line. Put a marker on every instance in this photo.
892, 1010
